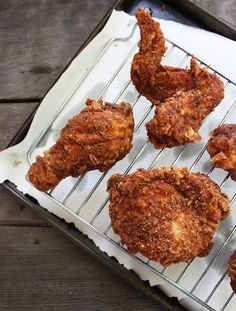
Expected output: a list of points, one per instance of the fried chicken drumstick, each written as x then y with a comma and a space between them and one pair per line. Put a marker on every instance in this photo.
178, 119
99, 136
222, 148
168, 215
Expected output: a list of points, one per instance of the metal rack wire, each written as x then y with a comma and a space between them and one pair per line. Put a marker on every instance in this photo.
98, 218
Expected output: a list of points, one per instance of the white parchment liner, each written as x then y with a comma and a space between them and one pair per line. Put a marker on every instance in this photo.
212, 49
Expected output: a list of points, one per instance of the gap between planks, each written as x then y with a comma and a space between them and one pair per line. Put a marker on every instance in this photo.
20, 100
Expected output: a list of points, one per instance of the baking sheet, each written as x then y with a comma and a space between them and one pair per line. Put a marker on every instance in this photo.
106, 64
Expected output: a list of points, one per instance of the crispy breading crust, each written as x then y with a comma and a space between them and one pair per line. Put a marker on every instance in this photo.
168, 215
99, 136
168, 81
222, 148
232, 271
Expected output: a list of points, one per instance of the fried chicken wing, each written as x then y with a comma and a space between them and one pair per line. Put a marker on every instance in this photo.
168, 215
222, 148
152, 80
152, 48
99, 136
232, 271
184, 97
178, 119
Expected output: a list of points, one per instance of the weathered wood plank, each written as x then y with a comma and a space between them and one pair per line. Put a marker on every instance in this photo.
41, 270
14, 213
39, 38
12, 116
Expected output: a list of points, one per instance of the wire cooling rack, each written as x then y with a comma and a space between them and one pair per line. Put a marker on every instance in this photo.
204, 280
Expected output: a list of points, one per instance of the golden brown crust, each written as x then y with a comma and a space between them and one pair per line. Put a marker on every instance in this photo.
232, 271
222, 148
167, 214
178, 119
168, 81
99, 136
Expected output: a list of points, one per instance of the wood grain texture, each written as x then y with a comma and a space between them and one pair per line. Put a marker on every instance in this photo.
39, 38
12, 116
41, 270
14, 213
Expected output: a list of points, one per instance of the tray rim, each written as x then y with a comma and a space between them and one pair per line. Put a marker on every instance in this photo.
210, 21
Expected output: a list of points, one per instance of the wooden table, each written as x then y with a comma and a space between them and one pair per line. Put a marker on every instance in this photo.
39, 268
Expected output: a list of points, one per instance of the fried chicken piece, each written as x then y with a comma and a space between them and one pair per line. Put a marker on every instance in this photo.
99, 136
232, 271
178, 119
222, 148
167, 214
152, 80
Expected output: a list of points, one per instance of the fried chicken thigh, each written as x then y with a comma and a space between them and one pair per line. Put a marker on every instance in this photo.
222, 148
99, 136
178, 119
168, 215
